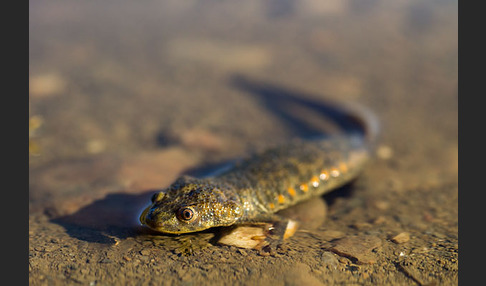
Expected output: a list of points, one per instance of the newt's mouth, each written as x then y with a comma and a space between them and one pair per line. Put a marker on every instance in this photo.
143, 216
148, 219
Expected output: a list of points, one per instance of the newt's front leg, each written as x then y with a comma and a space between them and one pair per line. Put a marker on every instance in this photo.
264, 235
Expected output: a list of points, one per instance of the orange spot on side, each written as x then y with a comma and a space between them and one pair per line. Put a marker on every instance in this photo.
281, 199
304, 187
291, 191
343, 167
334, 172
315, 181
271, 205
324, 175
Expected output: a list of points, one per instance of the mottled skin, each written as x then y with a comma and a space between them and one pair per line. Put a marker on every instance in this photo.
211, 203
254, 189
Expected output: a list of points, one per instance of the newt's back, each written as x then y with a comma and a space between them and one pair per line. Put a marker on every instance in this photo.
283, 176
270, 181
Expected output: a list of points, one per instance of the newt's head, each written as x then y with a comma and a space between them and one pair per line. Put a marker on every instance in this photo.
190, 205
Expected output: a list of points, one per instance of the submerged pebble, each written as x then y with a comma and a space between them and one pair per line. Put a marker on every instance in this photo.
358, 248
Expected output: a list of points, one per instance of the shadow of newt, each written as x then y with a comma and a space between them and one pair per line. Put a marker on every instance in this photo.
115, 215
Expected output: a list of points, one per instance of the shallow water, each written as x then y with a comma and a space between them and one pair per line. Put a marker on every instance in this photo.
125, 97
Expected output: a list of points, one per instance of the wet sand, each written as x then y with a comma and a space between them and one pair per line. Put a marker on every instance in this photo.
126, 97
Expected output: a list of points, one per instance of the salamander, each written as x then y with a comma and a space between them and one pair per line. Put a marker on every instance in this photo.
253, 190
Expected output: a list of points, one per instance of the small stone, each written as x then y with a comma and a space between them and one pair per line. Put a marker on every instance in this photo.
382, 205
147, 243
379, 220
242, 252
145, 252
106, 260
358, 248
208, 267
384, 152
329, 235
401, 238
329, 260
361, 225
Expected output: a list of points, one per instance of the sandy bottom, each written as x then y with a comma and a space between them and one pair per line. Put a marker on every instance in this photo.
121, 108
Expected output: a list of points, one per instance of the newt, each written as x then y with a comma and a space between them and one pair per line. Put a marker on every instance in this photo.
253, 190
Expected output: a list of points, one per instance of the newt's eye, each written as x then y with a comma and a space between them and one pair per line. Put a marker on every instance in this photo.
186, 214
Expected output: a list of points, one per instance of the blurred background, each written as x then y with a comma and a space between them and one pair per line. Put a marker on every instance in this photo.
128, 94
